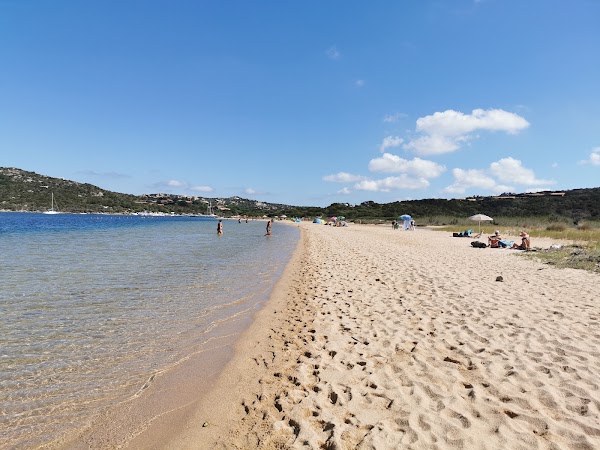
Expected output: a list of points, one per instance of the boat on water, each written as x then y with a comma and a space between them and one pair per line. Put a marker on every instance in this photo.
52, 209
209, 212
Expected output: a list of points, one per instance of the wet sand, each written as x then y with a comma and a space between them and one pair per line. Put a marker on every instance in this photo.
385, 339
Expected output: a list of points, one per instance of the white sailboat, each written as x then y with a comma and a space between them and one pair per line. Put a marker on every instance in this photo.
209, 211
52, 210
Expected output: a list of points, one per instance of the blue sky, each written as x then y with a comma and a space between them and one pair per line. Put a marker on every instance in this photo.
303, 102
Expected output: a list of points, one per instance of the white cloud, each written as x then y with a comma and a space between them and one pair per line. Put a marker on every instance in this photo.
443, 132
249, 191
392, 183
175, 183
455, 123
594, 158
506, 170
344, 191
393, 118
359, 83
343, 177
510, 170
333, 53
554, 165
202, 189
390, 142
433, 145
394, 164
473, 178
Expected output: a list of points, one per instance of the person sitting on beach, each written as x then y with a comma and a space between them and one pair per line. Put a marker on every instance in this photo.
525, 242
494, 239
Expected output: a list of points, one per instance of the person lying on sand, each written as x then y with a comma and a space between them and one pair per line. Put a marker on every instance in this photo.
525, 242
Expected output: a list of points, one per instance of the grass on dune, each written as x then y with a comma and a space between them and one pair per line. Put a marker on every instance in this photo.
578, 246
536, 227
577, 256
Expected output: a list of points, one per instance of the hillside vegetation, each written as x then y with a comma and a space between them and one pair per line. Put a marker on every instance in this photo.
21, 190
27, 191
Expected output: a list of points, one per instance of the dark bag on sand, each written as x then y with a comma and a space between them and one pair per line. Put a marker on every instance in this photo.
478, 244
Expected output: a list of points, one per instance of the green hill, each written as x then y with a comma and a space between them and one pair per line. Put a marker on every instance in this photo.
21, 190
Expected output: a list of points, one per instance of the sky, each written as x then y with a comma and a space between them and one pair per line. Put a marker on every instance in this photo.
305, 103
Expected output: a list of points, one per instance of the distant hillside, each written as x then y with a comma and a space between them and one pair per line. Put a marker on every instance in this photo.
27, 191
21, 190
571, 206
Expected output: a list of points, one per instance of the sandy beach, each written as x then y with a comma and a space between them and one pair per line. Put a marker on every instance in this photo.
385, 339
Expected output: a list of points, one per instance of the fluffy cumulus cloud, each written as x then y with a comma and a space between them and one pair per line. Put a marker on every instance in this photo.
506, 170
389, 163
434, 145
444, 132
594, 158
343, 177
510, 170
413, 175
390, 142
175, 183
474, 178
249, 191
392, 183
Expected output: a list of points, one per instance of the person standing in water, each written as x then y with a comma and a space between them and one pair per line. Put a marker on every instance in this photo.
269, 225
220, 227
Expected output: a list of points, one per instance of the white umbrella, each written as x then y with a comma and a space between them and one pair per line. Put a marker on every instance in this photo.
479, 218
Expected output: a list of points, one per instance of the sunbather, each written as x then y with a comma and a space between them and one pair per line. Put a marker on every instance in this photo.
494, 239
525, 242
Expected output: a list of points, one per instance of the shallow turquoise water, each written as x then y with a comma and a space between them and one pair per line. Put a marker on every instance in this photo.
92, 305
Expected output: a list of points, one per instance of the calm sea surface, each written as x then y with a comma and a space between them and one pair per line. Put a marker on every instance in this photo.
92, 305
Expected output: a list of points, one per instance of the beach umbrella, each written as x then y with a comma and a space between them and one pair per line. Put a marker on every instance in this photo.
405, 217
479, 218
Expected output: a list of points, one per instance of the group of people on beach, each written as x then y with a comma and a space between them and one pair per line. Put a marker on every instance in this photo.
220, 226
496, 241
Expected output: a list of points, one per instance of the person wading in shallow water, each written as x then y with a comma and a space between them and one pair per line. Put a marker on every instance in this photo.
269, 225
220, 227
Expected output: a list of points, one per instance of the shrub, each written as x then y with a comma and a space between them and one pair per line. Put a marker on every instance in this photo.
556, 227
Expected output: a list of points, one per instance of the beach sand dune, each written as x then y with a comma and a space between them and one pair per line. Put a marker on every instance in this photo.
385, 339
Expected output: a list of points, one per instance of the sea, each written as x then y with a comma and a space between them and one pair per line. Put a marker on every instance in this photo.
92, 305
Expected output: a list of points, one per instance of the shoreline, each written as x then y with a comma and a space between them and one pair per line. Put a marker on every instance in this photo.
383, 339
170, 395
374, 338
